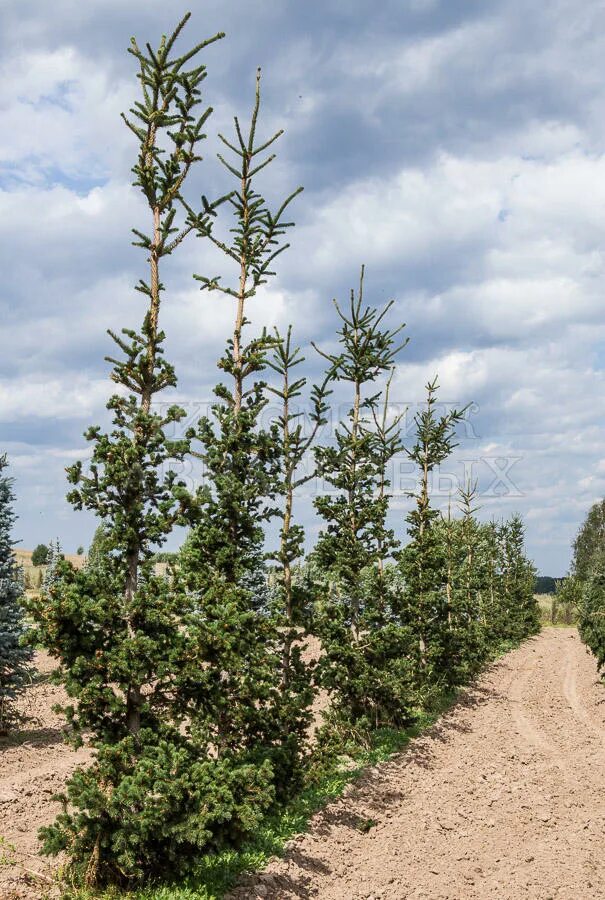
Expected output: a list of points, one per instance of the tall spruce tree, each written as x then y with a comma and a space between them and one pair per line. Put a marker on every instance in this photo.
464, 589
154, 797
246, 705
292, 606
470, 614
389, 444
591, 608
448, 533
518, 578
589, 542
15, 658
365, 651
489, 560
588, 581
422, 561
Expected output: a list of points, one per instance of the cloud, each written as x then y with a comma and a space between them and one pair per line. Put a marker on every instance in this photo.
52, 399
456, 149
60, 119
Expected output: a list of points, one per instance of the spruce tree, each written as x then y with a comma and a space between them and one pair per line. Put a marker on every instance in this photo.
469, 615
567, 599
586, 584
449, 535
422, 562
53, 559
365, 650
154, 797
389, 444
100, 547
518, 578
292, 603
245, 705
487, 588
589, 542
15, 658
489, 559
591, 619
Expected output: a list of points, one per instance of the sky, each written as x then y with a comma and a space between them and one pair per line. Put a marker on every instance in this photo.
454, 148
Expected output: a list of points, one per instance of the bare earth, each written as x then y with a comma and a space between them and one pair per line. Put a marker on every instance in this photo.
503, 798
34, 765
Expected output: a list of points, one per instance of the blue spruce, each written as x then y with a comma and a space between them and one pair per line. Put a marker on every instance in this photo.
14, 657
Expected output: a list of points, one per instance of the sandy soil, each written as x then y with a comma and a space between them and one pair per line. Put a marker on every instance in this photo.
503, 798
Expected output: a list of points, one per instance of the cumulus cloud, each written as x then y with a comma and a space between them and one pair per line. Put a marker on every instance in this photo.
456, 149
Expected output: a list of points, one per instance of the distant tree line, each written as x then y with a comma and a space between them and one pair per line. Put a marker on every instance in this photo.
544, 584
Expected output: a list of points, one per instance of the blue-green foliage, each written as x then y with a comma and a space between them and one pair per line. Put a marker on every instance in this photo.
15, 658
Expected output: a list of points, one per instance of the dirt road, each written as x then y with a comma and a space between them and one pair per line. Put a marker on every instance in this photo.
504, 798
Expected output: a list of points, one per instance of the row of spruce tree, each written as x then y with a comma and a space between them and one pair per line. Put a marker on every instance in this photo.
193, 687
584, 589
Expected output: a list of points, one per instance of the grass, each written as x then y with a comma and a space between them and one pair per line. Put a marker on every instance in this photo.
554, 614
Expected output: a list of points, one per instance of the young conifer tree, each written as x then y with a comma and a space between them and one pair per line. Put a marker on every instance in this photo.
422, 562
389, 444
487, 588
518, 579
55, 555
589, 542
587, 581
567, 600
100, 547
490, 562
591, 609
294, 445
223, 557
470, 614
365, 651
154, 797
15, 658
465, 589
448, 532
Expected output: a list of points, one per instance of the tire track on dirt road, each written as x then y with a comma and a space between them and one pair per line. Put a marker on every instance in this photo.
528, 727
579, 707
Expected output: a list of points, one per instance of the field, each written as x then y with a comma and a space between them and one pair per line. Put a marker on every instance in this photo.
33, 575
503, 797
554, 613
